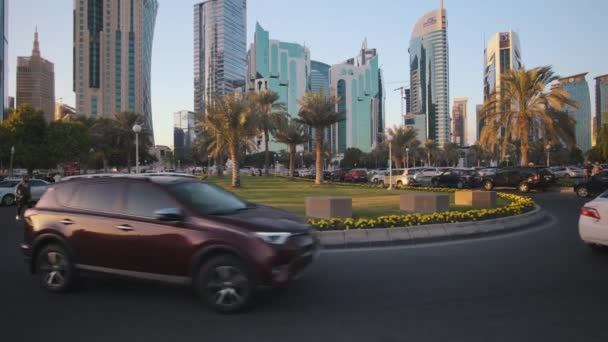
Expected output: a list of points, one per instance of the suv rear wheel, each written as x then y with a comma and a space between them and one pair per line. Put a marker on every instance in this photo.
582, 192
399, 183
488, 185
55, 268
225, 284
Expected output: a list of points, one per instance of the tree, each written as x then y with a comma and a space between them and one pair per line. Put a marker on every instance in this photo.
450, 154
522, 101
319, 111
291, 134
352, 158
124, 122
231, 123
104, 140
68, 141
401, 138
476, 154
432, 150
269, 117
26, 130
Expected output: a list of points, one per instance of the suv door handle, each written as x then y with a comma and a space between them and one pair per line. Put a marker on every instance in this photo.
125, 228
67, 222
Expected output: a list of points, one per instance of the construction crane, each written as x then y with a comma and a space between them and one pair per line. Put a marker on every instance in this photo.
402, 89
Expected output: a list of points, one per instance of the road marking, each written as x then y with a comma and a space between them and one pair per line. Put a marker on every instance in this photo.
550, 222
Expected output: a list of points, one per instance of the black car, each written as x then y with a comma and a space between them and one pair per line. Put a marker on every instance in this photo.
523, 179
457, 178
593, 186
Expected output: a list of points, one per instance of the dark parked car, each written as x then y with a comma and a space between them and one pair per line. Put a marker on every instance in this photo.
326, 175
172, 229
457, 178
593, 186
338, 175
356, 176
523, 179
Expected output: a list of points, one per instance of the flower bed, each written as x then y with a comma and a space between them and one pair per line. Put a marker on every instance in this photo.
517, 206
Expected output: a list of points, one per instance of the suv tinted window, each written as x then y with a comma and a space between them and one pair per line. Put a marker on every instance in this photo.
98, 196
64, 193
143, 199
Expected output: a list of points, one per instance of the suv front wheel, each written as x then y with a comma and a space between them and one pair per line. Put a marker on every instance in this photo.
55, 268
524, 187
488, 185
225, 284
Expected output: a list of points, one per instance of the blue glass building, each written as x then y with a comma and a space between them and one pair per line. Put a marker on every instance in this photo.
578, 88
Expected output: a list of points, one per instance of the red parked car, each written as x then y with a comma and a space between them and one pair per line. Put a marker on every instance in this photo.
166, 228
356, 176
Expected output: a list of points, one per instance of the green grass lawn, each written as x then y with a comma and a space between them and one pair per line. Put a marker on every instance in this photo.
291, 195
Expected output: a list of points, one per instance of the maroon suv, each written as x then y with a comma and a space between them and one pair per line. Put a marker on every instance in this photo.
166, 228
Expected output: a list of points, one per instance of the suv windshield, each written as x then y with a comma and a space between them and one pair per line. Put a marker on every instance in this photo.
207, 199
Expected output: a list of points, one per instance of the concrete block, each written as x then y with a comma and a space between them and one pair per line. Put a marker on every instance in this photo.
378, 235
356, 236
425, 203
332, 238
329, 207
476, 199
400, 233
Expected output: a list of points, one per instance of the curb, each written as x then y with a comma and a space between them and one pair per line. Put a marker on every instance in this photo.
358, 238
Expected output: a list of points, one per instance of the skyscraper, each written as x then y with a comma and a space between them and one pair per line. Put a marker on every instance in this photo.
319, 80
220, 49
183, 132
601, 103
578, 89
359, 85
408, 100
429, 73
113, 57
459, 121
3, 59
479, 124
36, 81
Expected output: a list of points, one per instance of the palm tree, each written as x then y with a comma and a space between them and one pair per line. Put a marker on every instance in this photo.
231, 124
124, 122
319, 111
269, 117
292, 134
477, 153
450, 154
402, 138
432, 149
104, 139
521, 101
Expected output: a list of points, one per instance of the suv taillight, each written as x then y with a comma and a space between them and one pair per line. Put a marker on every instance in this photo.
590, 212
537, 177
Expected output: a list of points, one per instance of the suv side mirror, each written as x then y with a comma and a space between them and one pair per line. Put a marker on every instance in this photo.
169, 215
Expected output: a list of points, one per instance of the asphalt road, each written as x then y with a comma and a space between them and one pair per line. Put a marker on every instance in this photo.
537, 285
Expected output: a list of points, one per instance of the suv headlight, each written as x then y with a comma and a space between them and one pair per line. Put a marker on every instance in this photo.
274, 238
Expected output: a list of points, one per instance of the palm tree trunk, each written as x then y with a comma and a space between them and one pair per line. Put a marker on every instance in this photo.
428, 155
292, 156
319, 161
266, 152
524, 153
236, 177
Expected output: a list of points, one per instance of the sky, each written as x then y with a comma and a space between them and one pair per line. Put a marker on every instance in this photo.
565, 34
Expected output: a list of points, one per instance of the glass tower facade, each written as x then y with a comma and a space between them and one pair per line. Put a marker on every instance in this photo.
578, 88
459, 121
220, 49
184, 132
113, 57
319, 81
4, 59
601, 103
429, 74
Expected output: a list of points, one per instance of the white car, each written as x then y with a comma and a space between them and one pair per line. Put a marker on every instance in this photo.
429, 172
408, 177
593, 222
379, 177
8, 188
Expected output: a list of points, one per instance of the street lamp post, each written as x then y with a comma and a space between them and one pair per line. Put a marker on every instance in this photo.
10, 172
208, 164
548, 155
137, 130
390, 164
407, 157
508, 159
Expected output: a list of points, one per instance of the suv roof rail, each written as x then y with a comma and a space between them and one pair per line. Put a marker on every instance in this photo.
128, 175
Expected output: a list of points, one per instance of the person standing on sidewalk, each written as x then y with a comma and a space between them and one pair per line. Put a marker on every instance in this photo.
597, 168
588, 169
23, 195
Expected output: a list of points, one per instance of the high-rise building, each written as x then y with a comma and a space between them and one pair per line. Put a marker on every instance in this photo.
429, 73
459, 121
319, 81
418, 123
502, 53
184, 132
359, 85
578, 89
601, 104
113, 57
36, 82
62, 110
408, 100
479, 124
4, 59
220, 49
